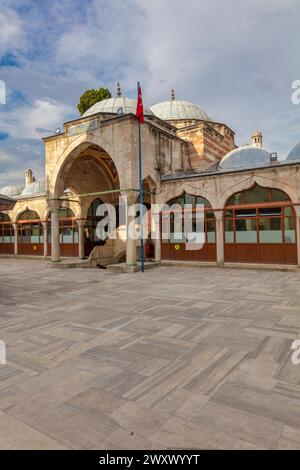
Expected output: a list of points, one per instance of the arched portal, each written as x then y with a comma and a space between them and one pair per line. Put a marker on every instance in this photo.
86, 174
30, 234
87, 169
260, 227
176, 248
6, 235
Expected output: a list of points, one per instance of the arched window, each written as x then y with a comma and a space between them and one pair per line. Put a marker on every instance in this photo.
68, 229
193, 201
263, 216
6, 229
30, 229
4, 217
257, 194
92, 222
29, 215
92, 212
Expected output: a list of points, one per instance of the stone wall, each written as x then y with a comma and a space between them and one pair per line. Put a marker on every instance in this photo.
218, 187
208, 143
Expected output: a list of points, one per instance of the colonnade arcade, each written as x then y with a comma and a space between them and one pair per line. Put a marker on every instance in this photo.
259, 225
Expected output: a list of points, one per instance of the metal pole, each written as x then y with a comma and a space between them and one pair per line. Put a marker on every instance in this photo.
141, 200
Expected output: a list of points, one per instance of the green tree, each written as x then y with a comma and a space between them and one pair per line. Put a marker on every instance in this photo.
90, 97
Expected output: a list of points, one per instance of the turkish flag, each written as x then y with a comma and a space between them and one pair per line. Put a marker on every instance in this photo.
139, 106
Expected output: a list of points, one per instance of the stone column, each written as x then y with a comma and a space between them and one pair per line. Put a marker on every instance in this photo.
55, 248
45, 238
155, 226
297, 210
130, 238
15, 227
155, 222
220, 236
80, 224
157, 248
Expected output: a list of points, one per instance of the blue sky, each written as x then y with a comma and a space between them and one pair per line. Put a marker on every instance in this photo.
235, 59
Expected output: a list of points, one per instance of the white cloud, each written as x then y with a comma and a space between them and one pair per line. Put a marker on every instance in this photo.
11, 31
35, 121
5, 157
235, 59
45, 114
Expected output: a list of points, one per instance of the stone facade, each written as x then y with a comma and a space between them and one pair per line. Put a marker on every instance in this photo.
97, 156
208, 143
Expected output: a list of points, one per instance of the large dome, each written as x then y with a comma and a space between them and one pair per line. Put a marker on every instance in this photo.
119, 104
173, 110
294, 153
37, 187
12, 190
245, 157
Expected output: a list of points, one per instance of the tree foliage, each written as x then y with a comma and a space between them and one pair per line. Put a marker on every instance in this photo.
90, 97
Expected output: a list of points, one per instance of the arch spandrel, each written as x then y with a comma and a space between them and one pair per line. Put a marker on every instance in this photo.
177, 191
73, 151
21, 207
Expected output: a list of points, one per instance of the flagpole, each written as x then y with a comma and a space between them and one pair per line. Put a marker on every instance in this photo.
141, 200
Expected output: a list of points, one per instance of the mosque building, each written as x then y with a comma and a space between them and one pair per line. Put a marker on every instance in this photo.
251, 199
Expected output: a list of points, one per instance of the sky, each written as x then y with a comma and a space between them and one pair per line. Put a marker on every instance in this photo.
235, 59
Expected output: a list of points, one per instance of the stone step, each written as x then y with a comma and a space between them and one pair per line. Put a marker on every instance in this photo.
122, 268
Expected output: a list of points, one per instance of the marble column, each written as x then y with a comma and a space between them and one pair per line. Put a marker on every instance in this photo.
81, 224
220, 236
155, 215
55, 248
45, 238
130, 238
15, 227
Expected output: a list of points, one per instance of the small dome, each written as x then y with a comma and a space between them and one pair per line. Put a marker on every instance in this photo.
37, 187
173, 110
12, 190
245, 157
294, 153
119, 104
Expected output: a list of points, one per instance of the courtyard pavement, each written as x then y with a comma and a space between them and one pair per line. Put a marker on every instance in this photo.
173, 358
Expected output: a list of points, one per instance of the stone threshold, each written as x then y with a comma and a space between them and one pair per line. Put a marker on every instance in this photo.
69, 263
123, 268
22, 257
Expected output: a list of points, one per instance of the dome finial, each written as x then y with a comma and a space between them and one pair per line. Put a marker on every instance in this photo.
118, 90
172, 94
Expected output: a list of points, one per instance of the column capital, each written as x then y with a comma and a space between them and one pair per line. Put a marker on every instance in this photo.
81, 222
297, 210
54, 204
218, 214
131, 196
